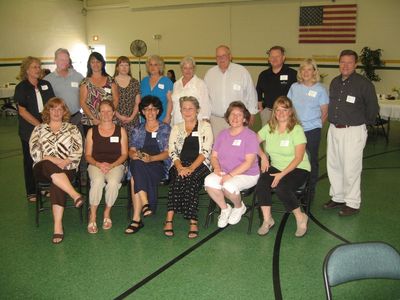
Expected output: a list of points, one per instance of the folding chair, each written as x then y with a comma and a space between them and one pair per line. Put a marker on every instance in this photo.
349, 262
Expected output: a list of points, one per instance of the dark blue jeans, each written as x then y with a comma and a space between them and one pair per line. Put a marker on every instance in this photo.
313, 140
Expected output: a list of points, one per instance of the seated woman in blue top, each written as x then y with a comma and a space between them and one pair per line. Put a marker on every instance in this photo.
285, 144
310, 100
148, 151
158, 85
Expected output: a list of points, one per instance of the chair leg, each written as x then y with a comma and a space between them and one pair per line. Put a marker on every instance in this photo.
210, 213
251, 217
38, 202
129, 206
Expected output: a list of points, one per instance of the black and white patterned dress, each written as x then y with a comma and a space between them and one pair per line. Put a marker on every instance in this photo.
183, 194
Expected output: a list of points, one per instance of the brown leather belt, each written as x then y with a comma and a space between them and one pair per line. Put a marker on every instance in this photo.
340, 126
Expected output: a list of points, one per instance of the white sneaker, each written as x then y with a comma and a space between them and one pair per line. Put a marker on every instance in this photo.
224, 216
236, 214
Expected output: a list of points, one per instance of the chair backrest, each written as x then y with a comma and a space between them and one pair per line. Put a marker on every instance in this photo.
350, 262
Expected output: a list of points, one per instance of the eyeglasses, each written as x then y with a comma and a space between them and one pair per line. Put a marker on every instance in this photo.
147, 109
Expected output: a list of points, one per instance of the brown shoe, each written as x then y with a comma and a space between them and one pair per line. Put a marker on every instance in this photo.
348, 211
332, 204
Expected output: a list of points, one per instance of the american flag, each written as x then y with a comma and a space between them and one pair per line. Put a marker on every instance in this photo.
328, 24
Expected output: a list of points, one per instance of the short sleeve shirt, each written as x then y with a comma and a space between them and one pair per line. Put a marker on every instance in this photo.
232, 150
281, 147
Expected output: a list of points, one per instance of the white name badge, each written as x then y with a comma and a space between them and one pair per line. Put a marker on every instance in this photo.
114, 139
107, 90
161, 86
351, 99
283, 77
154, 135
284, 143
236, 87
45, 87
236, 142
312, 93
74, 84
195, 133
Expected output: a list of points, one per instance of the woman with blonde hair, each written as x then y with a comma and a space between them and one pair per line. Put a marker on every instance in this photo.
56, 149
31, 94
285, 146
158, 85
310, 100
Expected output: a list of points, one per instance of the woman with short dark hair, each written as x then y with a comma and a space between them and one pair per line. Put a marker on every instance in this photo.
149, 164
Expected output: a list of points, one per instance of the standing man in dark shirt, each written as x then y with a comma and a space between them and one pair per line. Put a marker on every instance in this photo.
352, 105
273, 82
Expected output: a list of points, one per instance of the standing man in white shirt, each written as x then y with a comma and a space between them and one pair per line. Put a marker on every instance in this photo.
228, 82
65, 82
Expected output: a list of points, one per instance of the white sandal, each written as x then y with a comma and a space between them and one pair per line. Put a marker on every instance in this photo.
92, 227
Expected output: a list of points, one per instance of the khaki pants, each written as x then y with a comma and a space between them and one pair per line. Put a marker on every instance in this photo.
344, 163
218, 124
265, 115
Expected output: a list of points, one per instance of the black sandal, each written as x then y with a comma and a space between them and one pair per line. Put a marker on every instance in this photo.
168, 232
131, 229
57, 236
146, 211
194, 232
79, 202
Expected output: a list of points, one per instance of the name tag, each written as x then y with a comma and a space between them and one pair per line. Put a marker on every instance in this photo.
195, 133
74, 84
114, 139
161, 86
44, 87
107, 90
236, 142
312, 93
351, 99
283, 77
284, 143
236, 87
154, 135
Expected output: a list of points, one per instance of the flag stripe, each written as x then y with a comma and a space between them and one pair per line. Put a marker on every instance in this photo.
328, 24
331, 41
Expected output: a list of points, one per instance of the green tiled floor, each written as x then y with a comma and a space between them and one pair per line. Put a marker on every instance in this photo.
230, 265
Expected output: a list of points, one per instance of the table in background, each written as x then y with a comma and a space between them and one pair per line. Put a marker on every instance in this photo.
389, 109
7, 92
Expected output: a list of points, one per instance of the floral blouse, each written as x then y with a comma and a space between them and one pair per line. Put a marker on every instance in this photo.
178, 135
95, 96
65, 144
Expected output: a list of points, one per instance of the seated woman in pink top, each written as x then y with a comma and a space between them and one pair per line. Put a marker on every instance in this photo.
234, 160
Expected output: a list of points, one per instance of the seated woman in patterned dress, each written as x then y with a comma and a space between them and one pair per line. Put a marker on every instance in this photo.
149, 162
190, 145
129, 95
56, 149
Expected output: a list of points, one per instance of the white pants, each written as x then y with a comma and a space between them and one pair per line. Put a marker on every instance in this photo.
265, 115
98, 181
234, 185
344, 163
218, 124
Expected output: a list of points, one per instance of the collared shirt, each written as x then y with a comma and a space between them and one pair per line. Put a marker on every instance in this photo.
352, 101
65, 144
271, 85
179, 134
25, 96
235, 84
197, 88
67, 88
307, 101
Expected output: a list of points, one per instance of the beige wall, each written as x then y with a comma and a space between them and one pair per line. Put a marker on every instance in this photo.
249, 29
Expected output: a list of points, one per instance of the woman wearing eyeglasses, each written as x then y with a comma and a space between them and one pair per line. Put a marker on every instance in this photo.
148, 151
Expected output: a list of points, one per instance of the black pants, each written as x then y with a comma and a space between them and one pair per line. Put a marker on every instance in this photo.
312, 147
30, 186
285, 190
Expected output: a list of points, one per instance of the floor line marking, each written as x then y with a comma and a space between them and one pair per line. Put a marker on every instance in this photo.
168, 264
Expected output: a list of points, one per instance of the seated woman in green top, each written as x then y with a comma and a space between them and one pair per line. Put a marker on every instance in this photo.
285, 144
